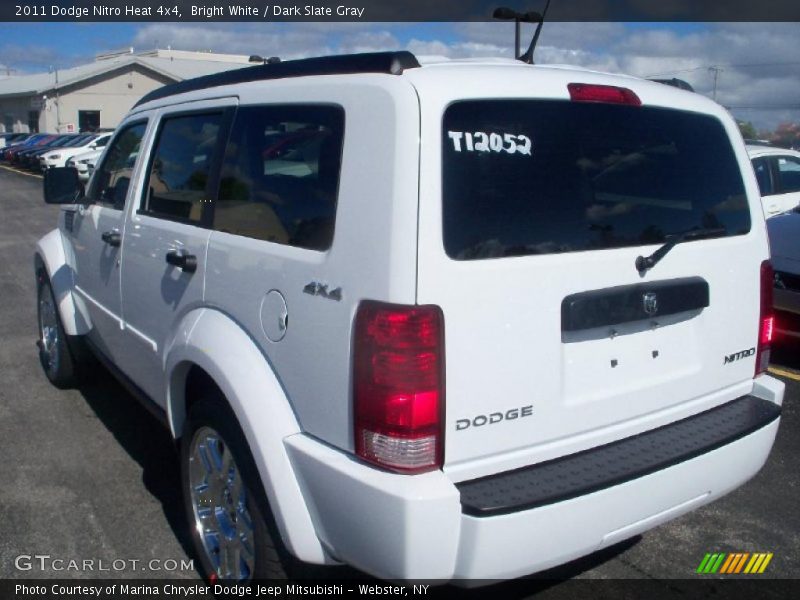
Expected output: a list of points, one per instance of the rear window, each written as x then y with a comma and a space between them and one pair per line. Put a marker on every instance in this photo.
525, 177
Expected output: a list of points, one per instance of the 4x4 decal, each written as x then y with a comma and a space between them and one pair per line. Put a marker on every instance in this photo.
319, 289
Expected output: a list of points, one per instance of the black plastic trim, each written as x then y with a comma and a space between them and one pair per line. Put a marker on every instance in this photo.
625, 304
390, 63
605, 466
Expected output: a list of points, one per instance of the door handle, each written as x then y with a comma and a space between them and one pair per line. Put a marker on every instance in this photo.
112, 238
185, 262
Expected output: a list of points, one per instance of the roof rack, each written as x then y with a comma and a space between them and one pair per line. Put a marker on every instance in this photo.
391, 63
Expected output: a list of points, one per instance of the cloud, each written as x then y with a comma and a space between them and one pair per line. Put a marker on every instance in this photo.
757, 75
31, 55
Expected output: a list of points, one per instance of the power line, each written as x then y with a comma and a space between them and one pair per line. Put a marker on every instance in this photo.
728, 65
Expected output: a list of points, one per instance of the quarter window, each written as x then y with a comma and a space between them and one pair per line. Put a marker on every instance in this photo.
280, 175
110, 183
177, 180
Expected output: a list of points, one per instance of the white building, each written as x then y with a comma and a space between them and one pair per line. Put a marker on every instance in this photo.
99, 94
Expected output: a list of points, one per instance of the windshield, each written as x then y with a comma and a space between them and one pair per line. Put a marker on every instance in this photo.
527, 177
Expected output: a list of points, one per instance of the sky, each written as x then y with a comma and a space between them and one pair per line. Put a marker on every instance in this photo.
756, 65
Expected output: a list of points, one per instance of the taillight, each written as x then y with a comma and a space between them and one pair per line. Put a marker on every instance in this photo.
766, 318
398, 386
609, 94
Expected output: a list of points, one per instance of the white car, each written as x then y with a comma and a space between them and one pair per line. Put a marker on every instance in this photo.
778, 174
59, 156
485, 319
85, 163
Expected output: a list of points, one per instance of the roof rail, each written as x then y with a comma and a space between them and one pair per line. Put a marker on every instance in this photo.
391, 63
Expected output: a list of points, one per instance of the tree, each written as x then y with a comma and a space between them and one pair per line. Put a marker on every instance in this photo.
787, 135
748, 131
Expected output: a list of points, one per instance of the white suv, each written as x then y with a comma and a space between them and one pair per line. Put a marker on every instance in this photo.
466, 320
778, 174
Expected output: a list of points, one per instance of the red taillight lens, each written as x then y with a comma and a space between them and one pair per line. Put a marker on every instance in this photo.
766, 319
610, 94
398, 386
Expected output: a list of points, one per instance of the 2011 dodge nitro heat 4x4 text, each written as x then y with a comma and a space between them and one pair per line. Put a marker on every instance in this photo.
460, 320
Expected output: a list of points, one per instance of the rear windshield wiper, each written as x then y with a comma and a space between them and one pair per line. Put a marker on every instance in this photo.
643, 263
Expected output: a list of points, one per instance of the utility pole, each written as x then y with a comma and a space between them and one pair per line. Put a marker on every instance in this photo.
57, 101
716, 71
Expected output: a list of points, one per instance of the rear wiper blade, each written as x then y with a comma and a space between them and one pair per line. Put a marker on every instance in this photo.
643, 263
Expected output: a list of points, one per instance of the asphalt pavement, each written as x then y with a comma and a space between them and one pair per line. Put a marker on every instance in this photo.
88, 474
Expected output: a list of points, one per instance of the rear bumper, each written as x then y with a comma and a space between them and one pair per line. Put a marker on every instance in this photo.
402, 527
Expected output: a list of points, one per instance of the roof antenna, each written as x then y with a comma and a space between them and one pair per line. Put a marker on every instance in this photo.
507, 14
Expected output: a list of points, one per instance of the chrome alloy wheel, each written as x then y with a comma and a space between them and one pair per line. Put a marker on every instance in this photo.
219, 501
48, 331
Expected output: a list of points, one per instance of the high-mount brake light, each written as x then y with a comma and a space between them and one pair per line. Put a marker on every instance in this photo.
398, 386
766, 318
609, 94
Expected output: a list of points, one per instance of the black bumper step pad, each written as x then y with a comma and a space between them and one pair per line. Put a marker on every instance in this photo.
605, 466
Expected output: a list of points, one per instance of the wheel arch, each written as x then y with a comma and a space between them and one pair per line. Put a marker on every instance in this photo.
50, 260
211, 349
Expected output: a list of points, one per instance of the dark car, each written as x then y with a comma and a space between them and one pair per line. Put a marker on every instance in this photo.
784, 242
23, 158
11, 153
27, 142
31, 160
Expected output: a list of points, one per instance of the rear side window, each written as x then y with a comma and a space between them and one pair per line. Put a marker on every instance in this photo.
112, 179
525, 177
178, 173
280, 176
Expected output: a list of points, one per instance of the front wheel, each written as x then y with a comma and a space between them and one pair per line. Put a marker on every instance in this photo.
231, 525
54, 352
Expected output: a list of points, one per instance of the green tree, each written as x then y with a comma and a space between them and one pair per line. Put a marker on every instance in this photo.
748, 131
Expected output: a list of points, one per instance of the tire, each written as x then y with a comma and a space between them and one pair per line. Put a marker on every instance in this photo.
55, 352
225, 501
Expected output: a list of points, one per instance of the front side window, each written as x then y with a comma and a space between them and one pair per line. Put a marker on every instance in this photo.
789, 174
280, 176
112, 178
524, 177
177, 181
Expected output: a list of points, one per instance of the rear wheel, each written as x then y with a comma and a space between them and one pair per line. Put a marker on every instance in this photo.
234, 534
55, 355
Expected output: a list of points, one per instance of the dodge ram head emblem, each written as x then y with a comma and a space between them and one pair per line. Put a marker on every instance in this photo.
650, 303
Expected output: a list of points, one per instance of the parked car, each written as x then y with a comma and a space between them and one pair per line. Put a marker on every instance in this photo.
21, 157
784, 240
778, 174
494, 318
9, 139
85, 163
32, 160
59, 157
8, 152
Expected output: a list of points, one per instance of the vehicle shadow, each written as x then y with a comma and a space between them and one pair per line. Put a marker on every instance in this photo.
146, 440
150, 444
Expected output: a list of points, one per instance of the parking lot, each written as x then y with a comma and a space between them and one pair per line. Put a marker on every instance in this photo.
89, 475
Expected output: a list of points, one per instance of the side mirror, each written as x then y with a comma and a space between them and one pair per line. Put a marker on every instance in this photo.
62, 186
